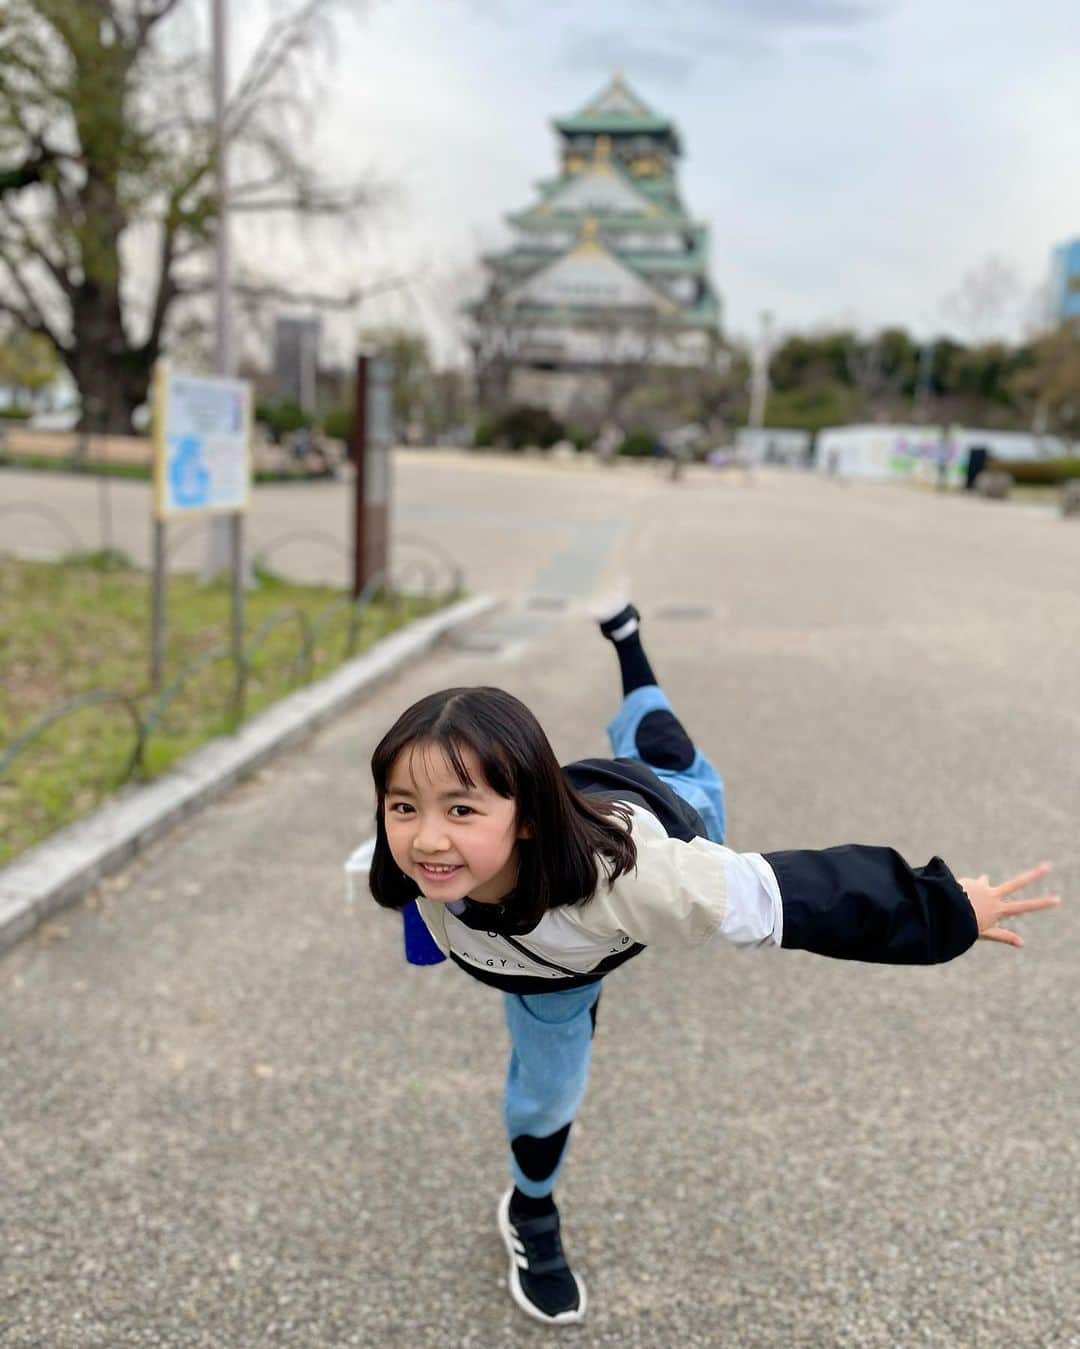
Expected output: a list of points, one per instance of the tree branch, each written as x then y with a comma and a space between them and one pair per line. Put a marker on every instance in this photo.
308, 201
30, 318
146, 19
35, 249
28, 173
267, 291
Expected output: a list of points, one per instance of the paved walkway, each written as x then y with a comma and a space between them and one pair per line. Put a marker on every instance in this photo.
232, 1117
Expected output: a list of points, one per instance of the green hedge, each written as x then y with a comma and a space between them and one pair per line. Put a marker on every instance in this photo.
1038, 472
638, 444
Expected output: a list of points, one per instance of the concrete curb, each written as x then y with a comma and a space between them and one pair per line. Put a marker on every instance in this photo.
61, 870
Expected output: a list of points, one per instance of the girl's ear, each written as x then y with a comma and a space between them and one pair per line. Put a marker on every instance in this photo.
526, 831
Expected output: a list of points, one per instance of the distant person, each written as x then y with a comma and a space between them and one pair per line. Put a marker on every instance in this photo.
540, 881
942, 463
301, 443
608, 442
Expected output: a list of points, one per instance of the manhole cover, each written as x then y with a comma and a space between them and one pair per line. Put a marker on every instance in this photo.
684, 613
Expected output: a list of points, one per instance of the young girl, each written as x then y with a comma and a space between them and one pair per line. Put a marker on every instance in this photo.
540, 880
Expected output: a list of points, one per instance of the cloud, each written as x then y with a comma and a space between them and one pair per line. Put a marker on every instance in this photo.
599, 51
734, 31
805, 13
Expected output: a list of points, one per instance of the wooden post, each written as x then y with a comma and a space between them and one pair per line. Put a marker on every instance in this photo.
372, 436
359, 460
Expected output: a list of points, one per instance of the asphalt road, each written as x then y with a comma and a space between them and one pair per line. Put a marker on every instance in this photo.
233, 1117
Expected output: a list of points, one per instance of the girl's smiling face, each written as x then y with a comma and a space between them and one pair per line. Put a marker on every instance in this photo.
453, 840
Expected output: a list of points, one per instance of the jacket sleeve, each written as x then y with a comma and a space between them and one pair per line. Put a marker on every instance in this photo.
866, 903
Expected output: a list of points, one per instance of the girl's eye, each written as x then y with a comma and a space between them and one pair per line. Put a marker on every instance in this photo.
467, 809
400, 808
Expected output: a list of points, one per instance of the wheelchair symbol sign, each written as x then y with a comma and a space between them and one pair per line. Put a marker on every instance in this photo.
189, 477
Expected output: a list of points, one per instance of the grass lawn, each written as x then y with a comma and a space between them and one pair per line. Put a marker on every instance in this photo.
71, 627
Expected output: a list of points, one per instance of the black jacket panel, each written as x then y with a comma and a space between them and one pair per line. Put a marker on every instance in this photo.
631, 780
866, 903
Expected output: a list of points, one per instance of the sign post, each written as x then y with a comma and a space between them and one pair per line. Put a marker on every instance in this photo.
202, 466
372, 437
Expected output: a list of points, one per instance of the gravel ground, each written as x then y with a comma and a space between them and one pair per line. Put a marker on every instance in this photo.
232, 1117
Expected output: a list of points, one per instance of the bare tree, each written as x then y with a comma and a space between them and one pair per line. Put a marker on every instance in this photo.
879, 367
107, 201
982, 303
499, 334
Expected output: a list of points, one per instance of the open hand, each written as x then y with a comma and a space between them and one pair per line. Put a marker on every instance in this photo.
991, 902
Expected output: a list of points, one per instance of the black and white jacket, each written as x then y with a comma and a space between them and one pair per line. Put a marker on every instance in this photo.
852, 902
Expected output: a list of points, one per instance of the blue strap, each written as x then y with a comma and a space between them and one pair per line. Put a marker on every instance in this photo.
420, 945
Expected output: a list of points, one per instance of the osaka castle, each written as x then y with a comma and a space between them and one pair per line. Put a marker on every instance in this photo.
607, 271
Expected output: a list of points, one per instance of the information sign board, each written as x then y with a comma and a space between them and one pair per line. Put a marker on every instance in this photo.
202, 444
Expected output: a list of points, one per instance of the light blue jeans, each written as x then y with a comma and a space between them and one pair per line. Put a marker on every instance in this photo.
551, 1033
700, 784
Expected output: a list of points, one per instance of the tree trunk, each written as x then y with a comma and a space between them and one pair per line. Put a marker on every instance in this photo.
112, 376
112, 380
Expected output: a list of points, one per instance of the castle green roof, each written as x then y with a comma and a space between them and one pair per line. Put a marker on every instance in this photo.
611, 231
616, 110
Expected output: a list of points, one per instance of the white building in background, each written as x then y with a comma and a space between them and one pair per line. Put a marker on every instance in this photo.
296, 361
773, 445
897, 452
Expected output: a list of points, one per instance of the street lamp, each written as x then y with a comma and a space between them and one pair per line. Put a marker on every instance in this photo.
759, 383
222, 540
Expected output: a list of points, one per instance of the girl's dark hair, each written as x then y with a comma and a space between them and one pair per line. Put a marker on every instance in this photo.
567, 831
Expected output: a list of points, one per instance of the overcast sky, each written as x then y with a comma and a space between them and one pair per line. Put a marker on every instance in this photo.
854, 159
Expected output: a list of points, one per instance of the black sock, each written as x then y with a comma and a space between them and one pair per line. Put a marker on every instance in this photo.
525, 1206
633, 663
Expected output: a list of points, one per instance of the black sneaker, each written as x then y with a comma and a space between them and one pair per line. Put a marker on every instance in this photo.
541, 1282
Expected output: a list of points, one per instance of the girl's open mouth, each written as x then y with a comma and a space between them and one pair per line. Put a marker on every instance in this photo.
438, 873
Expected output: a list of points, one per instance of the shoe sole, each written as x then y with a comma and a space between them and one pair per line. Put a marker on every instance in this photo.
514, 1279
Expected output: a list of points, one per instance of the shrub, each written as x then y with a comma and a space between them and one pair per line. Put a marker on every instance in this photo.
484, 434
338, 424
523, 425
1038, 472
281, 418
638, 444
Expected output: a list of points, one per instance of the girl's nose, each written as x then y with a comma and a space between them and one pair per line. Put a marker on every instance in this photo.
431, 837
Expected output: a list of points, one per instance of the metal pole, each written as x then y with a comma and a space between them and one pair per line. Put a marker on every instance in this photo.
236, 540
222, 257
226, 533
218, 534
105, 513
759, 387
157, 607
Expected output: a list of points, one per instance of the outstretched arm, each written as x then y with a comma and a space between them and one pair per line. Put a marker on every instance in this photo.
866, 903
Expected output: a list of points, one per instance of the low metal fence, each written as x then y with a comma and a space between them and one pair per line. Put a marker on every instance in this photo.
420, 571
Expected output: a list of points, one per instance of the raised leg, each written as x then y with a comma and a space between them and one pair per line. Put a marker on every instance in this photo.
646, 727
